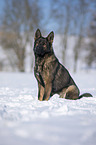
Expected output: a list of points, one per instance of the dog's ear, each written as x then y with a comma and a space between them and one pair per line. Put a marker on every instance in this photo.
50, 37
37, 34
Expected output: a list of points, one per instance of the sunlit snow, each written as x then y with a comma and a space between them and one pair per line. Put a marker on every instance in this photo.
26, 121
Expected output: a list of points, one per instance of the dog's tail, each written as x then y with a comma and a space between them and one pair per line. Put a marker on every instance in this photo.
85, 95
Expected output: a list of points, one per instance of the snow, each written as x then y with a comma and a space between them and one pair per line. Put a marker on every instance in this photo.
26, 121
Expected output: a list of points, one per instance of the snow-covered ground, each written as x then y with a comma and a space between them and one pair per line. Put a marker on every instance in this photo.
26, 121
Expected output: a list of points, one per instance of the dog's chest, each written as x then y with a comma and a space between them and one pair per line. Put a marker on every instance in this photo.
42, 71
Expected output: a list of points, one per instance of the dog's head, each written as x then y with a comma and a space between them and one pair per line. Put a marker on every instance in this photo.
43, 45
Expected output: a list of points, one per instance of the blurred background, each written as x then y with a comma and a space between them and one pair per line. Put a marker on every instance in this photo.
73, 22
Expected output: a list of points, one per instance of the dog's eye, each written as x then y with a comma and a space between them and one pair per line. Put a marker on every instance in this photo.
36, 45
44, 45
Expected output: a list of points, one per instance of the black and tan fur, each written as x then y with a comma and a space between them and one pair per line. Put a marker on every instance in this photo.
51, 75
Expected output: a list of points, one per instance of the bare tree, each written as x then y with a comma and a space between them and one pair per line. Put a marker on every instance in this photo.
91, 57
19, 20
62, 14
79, 24
72, 18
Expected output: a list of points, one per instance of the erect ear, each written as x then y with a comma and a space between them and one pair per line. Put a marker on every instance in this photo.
37, 34
50, 37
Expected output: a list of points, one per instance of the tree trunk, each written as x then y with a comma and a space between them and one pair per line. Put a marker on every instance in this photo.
76, 52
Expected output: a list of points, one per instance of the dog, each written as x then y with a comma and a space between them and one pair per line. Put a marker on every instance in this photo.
52, 76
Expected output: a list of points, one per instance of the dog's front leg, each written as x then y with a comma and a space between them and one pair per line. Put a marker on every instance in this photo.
47, 91
40, 92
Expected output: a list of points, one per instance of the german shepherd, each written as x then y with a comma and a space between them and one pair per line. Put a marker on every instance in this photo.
52, 76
